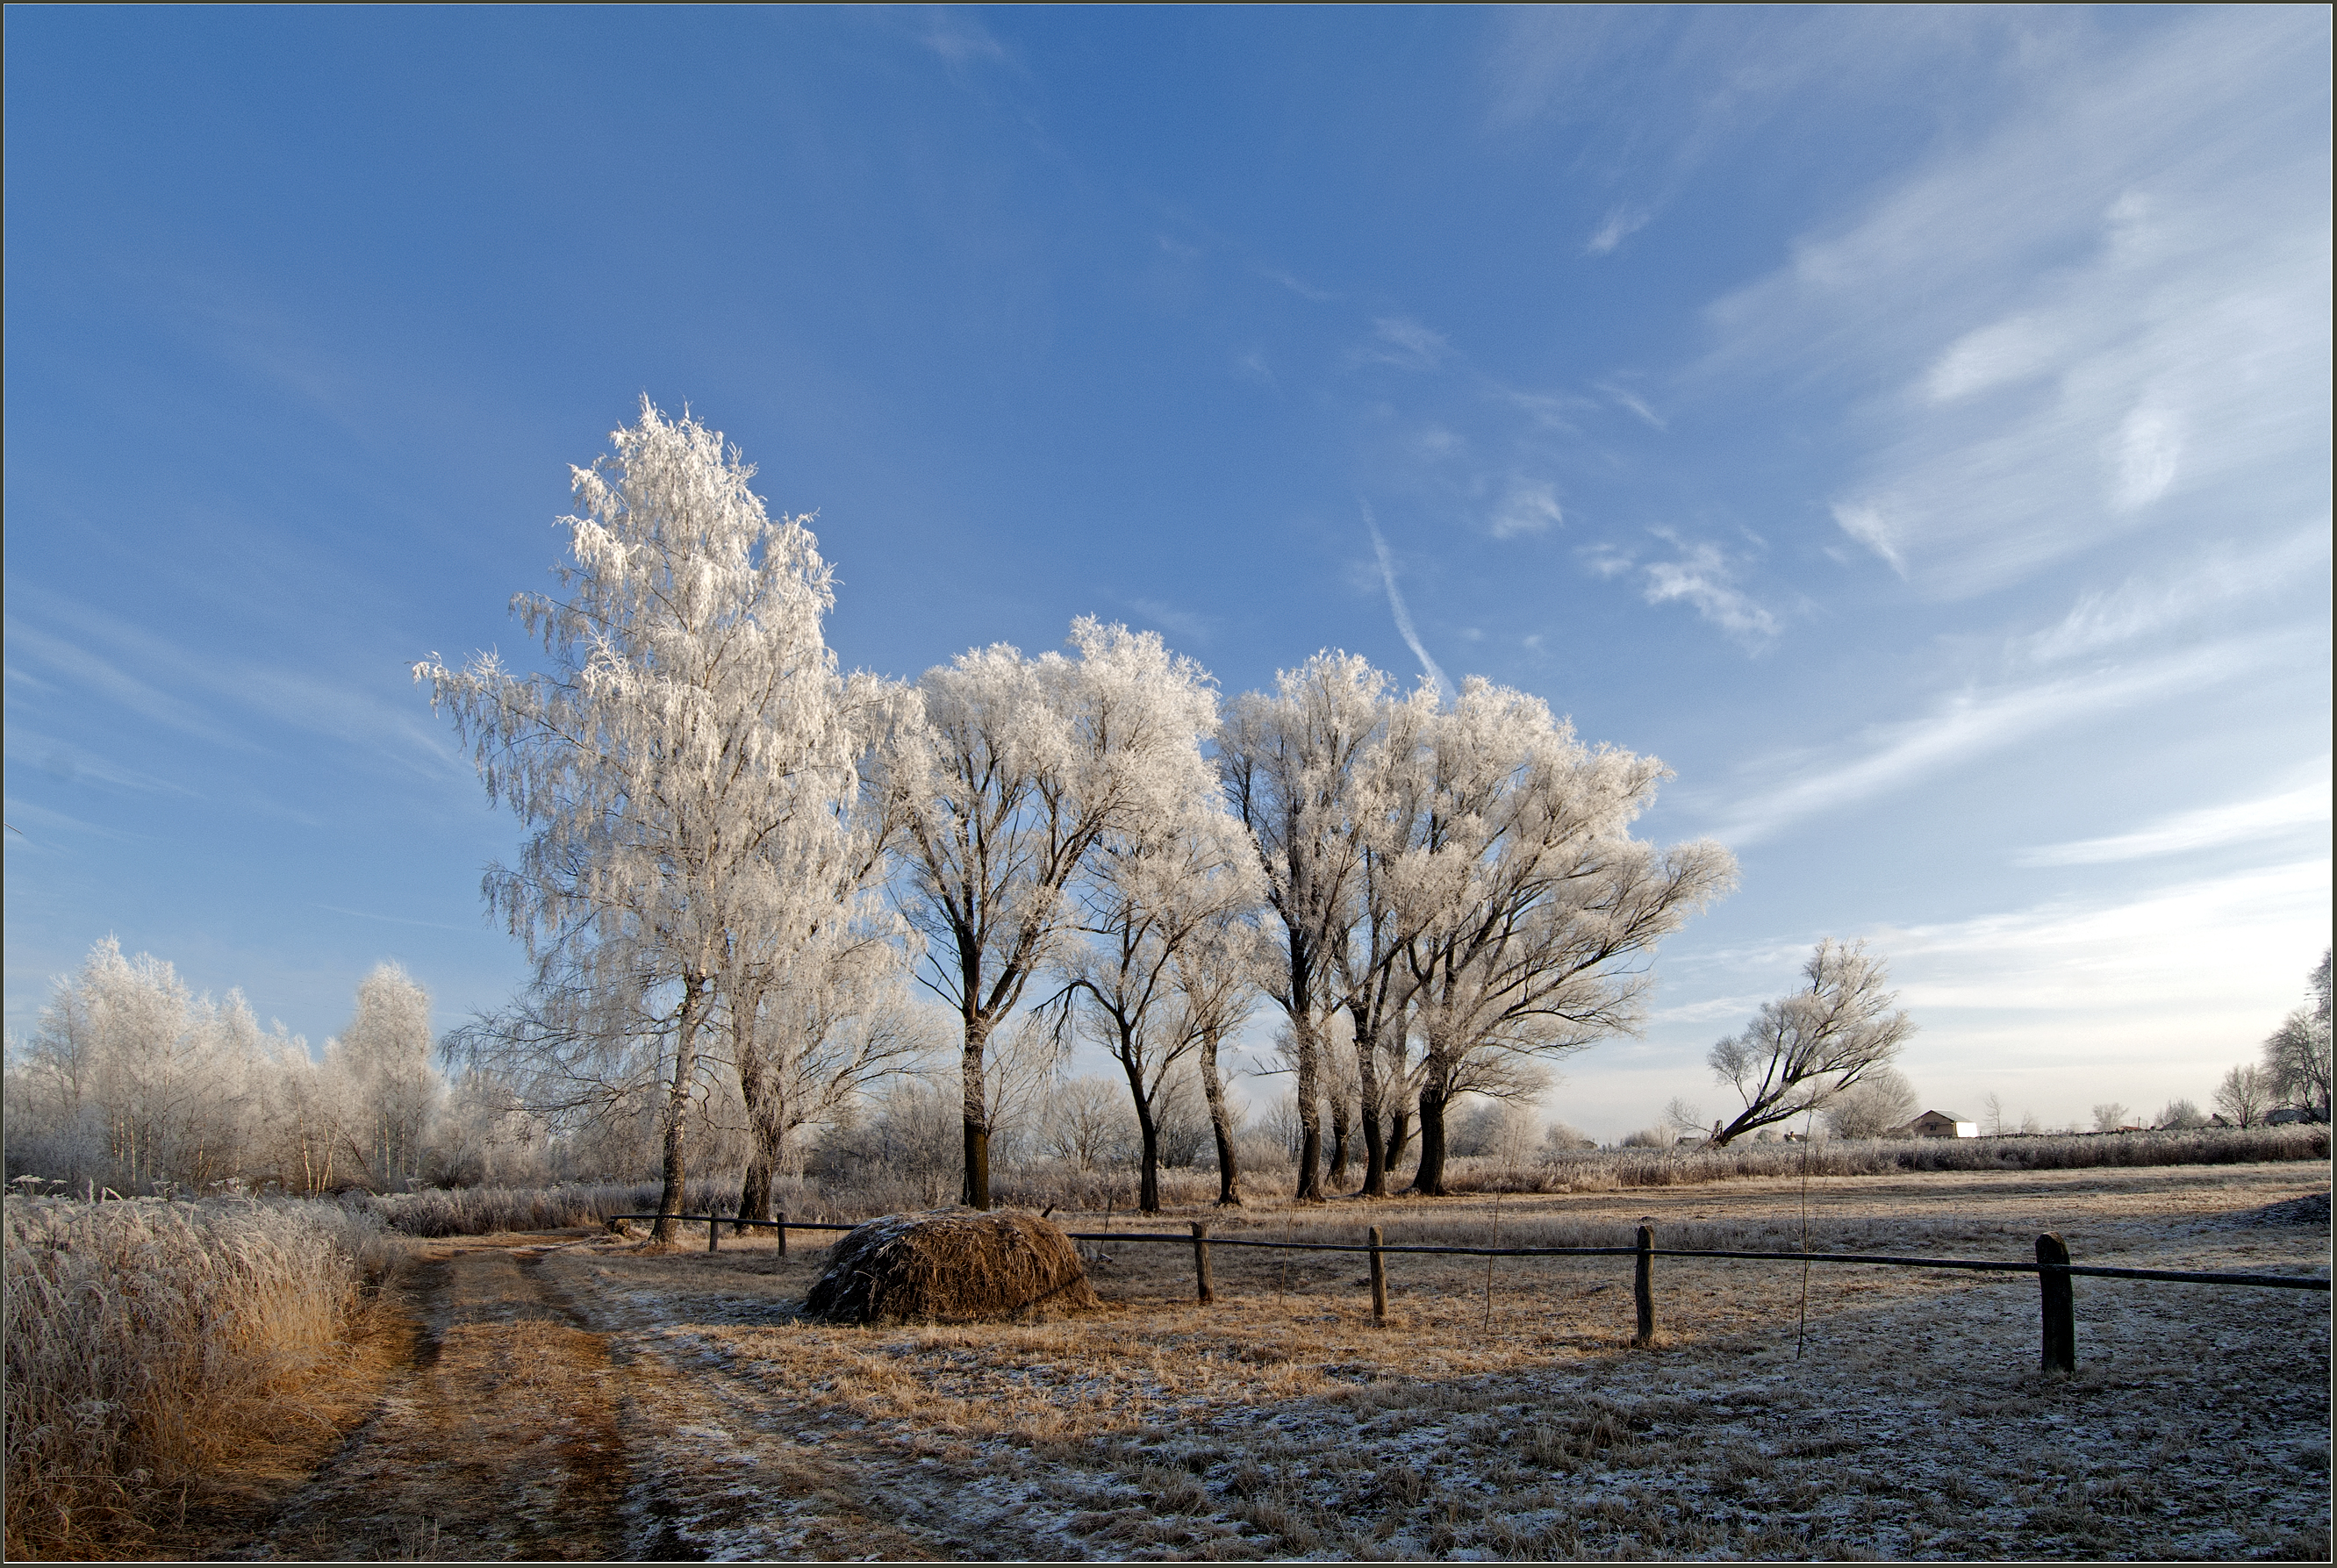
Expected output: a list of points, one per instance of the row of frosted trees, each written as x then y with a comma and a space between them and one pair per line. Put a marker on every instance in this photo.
736, 853
129, 1081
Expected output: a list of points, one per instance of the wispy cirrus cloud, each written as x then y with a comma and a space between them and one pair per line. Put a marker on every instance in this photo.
958, 36
1969, 725
1701, 576
1190, 625
2140, 607
1396, 606
1401, 341
1527, 507
2110, 315
1620, 224
76, 666
196, 696
2214, 827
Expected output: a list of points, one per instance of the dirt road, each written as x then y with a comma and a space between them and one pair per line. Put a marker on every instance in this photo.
498, 1437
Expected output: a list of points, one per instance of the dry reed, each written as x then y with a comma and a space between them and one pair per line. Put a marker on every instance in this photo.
147, 1341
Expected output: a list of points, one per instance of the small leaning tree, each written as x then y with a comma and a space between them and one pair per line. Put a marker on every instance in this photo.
1806, 1048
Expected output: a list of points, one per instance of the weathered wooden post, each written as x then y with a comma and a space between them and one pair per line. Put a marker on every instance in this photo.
1379, 1279
1206, 1292
781, 1232
2060, 1304
1643, 1285
713, 1233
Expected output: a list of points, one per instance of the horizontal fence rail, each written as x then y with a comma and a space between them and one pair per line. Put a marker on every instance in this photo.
2180, 1276
2052, 1268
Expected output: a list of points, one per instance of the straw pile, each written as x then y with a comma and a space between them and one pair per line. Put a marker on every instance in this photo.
949, 1265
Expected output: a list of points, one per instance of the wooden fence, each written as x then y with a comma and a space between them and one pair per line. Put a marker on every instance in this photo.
2052, 1268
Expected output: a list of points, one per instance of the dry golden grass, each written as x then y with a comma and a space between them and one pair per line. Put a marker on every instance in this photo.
160, 1356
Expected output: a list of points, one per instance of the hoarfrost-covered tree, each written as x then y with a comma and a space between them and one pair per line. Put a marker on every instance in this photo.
2109, 1117
1014, 771
2244, 1095
1155, 895
681, 762
1807, 1048
384, 1057
1215, 971
1880, 1100
1290, 762
2297, 1055
131, 1082
1538, 911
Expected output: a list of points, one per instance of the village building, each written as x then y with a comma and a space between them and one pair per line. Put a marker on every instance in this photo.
1935, 1125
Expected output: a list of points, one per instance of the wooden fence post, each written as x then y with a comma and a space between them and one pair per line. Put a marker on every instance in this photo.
2060, 1304
1202, 1263
782, 1232
1643, 1286
713, 1233
1379, 1279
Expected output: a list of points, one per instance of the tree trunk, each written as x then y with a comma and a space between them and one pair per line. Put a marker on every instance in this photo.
1434, 1093
1213, 1090
1310, 1108
1399, 1134
766, 1119
676, 1106
976, 1192
1367, 1066
1147, 1181
1339, 1140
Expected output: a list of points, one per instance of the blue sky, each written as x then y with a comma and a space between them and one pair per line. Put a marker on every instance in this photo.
1911, 425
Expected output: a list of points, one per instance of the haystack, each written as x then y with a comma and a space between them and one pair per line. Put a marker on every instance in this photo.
949, 1265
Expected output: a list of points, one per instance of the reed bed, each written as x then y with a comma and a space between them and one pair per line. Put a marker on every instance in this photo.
1611, 1170
492, 1211
148, 1342
1042, 1184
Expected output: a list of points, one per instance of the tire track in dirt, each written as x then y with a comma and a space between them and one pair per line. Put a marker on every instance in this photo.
498, 1439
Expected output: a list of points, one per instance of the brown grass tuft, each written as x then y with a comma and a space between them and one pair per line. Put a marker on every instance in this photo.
949, 1266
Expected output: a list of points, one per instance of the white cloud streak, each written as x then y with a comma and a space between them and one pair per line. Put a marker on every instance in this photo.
1396, 604
2138, 608
1400, 341
1970, 726
2214, 827
1702, 578
1621, 224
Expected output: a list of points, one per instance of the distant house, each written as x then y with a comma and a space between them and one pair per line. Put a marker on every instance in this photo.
1936, 1124
2288, 1113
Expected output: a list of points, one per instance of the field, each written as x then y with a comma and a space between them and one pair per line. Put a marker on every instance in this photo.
575, 1394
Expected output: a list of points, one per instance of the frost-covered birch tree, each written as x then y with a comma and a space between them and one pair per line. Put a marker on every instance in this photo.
1017, 769
1810, 1046
1538, 911
665, 758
